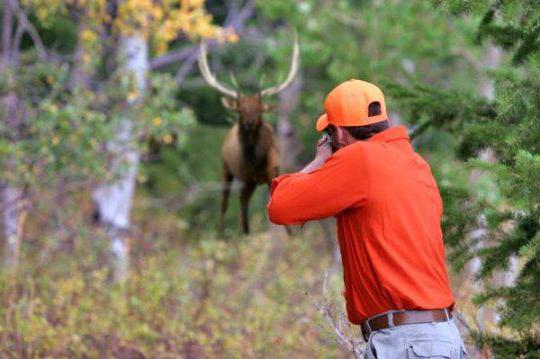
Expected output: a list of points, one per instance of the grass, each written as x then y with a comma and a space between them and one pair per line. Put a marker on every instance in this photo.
203, 297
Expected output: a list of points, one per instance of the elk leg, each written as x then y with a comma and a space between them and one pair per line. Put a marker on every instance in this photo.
227, 180
245, 195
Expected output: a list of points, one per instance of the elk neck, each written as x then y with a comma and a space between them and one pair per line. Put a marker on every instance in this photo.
249, 138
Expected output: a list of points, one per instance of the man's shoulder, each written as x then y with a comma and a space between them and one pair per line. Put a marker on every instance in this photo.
356, 149
354, 154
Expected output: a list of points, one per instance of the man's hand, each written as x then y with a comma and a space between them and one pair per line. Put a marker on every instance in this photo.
324, 148
323, 151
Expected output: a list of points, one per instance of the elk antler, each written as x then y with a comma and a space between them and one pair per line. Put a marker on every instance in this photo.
292, 72
207, 73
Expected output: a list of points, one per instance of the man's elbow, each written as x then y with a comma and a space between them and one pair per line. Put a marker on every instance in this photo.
279, 213
275, 213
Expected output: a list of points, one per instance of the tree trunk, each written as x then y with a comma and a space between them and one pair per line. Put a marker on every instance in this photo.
10, 194
288, 143
79, 77
11, 200
114, 199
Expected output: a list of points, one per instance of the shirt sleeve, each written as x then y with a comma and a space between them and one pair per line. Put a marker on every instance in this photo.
340, 183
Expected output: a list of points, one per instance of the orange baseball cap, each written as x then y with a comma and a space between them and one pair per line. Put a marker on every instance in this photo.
347, 105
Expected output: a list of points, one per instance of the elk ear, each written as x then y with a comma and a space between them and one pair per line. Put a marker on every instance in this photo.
268, 108
229, 103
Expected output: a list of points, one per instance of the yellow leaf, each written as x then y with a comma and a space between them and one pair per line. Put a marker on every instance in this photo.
132, 96
167, 139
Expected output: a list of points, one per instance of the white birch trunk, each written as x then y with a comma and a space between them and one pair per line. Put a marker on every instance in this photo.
114, 199
11, 195
11, 202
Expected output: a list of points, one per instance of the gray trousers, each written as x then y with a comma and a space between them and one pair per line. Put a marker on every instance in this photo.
428, 340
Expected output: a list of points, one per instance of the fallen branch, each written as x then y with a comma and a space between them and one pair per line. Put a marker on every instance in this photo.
341, 328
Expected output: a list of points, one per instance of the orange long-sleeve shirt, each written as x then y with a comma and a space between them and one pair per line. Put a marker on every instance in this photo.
388, 210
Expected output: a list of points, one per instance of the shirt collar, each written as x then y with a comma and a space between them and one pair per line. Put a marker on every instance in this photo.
394, 133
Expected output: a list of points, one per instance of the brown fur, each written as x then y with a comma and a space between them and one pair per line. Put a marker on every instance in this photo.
249, 153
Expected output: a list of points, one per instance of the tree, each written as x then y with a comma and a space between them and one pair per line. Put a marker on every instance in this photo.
131, 29
108, 104
15, 24
508, 125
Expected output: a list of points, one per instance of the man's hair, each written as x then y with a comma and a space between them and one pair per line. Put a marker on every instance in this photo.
365, 132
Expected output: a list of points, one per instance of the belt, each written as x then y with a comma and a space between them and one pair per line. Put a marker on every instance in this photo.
402, 317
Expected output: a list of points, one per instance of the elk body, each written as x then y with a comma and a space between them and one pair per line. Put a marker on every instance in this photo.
250, 150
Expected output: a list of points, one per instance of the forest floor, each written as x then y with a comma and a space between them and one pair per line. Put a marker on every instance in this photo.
189, 294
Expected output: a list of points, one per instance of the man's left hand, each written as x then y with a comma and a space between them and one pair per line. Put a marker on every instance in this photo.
323, 151
324, 148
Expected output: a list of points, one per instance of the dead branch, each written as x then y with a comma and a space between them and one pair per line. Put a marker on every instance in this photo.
235, 19
30, 29
339, 325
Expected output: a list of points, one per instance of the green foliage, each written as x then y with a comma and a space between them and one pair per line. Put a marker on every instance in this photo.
187, 181
509, 127
402, 43
191, 293
209, 298
68, 131
526, 347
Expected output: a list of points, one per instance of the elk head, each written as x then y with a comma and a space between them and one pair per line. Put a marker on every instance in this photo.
249, 107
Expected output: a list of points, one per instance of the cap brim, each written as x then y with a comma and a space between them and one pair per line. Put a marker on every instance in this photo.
322, 123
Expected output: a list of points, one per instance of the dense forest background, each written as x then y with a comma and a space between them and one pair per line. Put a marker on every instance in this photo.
110, 170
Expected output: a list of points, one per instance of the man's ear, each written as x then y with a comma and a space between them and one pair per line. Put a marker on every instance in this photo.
268, 108
341, 135
229, 103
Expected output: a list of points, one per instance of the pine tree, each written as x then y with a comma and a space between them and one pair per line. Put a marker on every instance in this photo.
508, 125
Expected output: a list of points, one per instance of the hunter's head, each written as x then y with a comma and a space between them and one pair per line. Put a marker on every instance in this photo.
355, 110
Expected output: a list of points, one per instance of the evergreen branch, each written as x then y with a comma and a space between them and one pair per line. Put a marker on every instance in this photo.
529, 44
525, 347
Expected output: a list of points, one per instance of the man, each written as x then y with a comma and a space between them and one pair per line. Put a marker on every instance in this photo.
388, 210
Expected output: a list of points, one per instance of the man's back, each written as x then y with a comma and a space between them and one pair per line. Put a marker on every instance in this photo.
393, 241
388, 211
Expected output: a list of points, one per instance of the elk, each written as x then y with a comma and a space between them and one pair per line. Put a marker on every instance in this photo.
249, 152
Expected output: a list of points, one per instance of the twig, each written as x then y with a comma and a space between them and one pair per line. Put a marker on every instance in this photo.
30, 29
189, 196
337, 321
172, 57
188, 55
235, 20
462, 321
17, 43
475, 63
